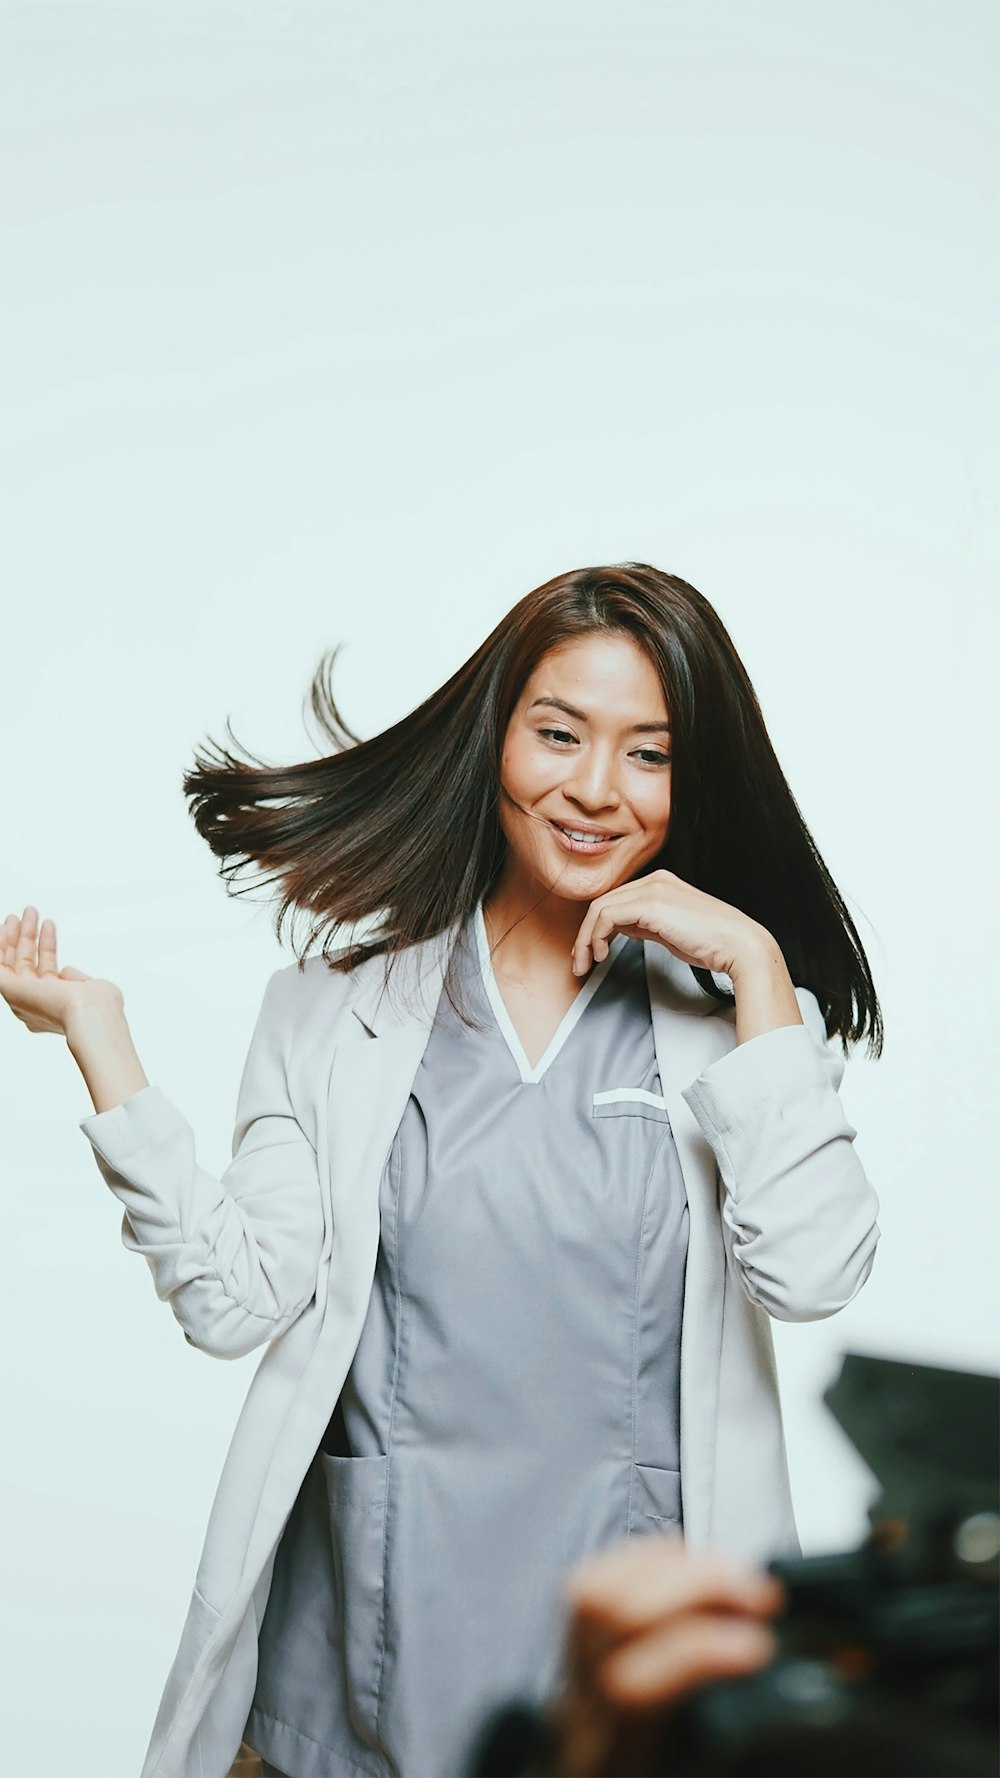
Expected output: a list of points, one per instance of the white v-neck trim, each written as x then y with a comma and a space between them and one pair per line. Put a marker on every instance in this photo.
571, 1017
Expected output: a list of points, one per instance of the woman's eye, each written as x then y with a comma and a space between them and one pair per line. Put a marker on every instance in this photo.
557, 734
650, 755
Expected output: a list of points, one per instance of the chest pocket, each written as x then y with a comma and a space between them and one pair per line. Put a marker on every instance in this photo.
631, 1102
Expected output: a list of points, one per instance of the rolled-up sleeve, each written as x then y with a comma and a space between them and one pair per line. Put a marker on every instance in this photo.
236, 1257
798, 1210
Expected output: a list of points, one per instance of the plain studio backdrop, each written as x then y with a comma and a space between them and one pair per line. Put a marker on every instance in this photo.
353, 322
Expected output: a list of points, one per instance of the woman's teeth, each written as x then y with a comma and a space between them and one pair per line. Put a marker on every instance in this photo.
581, 838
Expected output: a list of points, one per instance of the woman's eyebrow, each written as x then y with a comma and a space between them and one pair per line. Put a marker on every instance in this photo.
638, 728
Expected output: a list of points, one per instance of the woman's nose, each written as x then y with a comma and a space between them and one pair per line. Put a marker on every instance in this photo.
591, 781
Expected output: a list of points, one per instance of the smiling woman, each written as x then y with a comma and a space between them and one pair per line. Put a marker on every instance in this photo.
512, 1236
408, 830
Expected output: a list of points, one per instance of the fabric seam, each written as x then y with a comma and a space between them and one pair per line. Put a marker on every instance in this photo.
395, 1164
635, 1327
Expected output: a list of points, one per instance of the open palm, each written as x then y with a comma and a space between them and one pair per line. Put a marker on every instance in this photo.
39, 993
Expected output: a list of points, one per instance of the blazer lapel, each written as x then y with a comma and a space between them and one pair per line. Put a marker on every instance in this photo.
413, 990
372, 1070
688, 1038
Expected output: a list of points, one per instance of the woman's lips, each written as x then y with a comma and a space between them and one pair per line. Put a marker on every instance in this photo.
591, 846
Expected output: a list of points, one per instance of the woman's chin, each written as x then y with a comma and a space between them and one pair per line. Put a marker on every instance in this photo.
580, 879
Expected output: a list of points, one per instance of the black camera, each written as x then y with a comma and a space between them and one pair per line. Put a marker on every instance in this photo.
887, 1655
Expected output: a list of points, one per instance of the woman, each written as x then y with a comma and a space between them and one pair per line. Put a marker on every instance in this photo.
517, 1181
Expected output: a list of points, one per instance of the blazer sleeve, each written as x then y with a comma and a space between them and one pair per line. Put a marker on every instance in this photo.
798, 1211
236, 1257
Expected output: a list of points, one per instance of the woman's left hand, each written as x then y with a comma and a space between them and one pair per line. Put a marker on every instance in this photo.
698, 928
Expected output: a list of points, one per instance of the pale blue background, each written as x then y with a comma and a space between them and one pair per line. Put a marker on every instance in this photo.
356, 321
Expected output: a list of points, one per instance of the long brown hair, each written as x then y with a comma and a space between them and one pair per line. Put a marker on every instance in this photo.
402, 831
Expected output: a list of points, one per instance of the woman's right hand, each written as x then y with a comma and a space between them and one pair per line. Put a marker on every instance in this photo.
39, 993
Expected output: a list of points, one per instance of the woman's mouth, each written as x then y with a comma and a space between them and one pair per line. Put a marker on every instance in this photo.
588, 840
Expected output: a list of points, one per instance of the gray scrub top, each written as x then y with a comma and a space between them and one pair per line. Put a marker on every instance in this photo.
513, 1403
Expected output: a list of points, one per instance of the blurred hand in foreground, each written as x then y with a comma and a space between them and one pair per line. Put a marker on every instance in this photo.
649, 1621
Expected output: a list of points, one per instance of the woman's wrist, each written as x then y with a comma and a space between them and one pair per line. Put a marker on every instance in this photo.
100, 1042
763, 988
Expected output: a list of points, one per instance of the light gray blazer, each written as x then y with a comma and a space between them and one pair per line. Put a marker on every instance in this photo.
280, 1252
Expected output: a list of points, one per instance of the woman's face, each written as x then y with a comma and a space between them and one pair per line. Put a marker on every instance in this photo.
586, 768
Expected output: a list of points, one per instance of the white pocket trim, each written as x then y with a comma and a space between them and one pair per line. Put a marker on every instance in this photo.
635, 1094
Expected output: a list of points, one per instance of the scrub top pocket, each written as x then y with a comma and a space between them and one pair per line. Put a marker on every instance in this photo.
655, 1500
630, 1102
315, 1706
356, 1493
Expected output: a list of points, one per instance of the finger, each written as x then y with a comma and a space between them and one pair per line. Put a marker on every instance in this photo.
583, 951
601, 934
580, 948
603, 919
47, 948
8, 940
638, 1583
615, 917
24, 952
666, 1663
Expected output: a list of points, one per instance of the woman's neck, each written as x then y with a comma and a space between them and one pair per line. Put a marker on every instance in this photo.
529, 928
